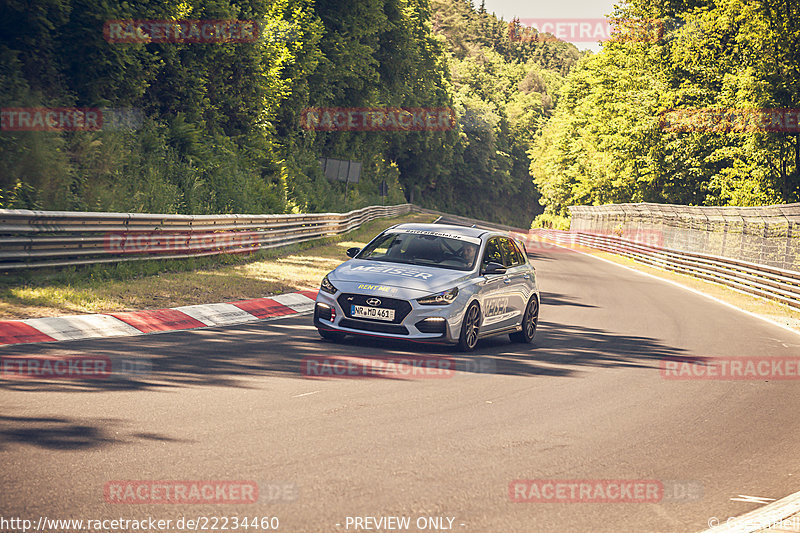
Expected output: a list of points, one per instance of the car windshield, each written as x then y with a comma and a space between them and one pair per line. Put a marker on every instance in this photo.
422, 250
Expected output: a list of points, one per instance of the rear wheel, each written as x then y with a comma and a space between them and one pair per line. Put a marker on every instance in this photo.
470, 327
529, 322
329, 335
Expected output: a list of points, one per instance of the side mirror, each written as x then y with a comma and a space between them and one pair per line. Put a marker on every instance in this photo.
352, 252
493, 268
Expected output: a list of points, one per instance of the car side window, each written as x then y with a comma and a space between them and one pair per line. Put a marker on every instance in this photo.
494, 252
517, 256
520, 246
509, 254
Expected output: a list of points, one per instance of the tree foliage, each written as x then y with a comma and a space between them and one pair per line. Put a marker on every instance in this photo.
221, 122
606, 142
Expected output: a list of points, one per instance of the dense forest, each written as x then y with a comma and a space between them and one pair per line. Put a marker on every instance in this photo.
538, 124
220, 128
606, 141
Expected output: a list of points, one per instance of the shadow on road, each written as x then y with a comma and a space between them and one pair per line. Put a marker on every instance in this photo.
235, 356
554, 298
63, 433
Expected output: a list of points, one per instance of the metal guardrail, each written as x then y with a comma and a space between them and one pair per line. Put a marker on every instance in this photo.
765, 281
465, 221
32, 239
768, 235
646, 246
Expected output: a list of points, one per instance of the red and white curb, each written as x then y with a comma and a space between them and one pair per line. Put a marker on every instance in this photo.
64, 328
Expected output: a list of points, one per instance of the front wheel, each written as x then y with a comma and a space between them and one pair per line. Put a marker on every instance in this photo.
470, 327
529, 322
329, 335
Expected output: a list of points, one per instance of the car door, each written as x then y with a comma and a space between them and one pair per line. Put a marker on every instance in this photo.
515, 281
520, 280
497, 298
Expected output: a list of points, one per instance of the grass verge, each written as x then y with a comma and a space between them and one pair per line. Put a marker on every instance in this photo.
156, 284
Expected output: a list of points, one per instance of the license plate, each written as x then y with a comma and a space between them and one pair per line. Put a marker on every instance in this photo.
375, 313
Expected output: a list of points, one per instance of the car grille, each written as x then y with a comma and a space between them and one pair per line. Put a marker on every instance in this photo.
401, 307
376, 327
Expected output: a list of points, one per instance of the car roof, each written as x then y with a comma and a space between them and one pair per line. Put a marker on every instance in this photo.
457, 230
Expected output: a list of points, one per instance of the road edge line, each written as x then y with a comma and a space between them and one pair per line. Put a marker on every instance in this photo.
762, 518
687, 288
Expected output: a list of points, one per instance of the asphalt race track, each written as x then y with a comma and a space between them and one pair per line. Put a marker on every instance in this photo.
587, 402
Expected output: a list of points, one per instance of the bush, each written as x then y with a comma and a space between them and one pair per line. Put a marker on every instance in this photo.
546, 220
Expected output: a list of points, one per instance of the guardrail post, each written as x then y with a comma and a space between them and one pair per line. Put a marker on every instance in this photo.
724, 237
741, 243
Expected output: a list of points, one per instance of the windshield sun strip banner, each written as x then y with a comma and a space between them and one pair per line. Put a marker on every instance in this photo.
466, 238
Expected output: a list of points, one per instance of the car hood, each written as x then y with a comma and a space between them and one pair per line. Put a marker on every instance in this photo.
423, 278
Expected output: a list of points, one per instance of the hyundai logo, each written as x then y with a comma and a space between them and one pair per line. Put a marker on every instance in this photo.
374, 302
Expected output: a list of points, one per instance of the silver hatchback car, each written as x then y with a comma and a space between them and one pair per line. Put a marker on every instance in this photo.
432, 283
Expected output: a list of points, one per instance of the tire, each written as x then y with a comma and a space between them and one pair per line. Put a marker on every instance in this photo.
333, 336
470, 328
530, 320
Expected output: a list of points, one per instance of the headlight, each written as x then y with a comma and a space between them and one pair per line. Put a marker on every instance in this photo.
327, 286
440, 298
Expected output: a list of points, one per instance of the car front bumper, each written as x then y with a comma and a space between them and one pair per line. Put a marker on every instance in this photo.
413, 321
